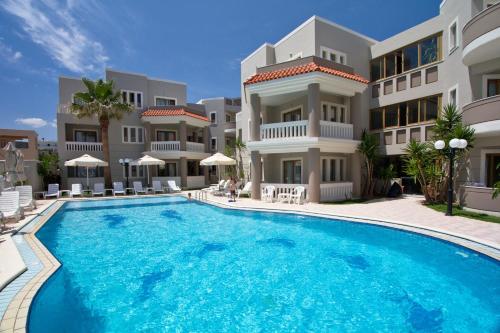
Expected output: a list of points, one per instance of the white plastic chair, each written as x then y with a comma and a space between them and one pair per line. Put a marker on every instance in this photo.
118, 188
52, 191
98, 189
268, 194
247, 190
76, 189
138, 189
157, 188
173, 186
9, 206
26, 200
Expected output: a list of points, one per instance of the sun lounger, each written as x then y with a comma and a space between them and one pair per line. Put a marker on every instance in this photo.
247, 190
157, 187
118, 188
26, 200
138, 189
76, 189
9, 206
173, 186
52, 191
98, 189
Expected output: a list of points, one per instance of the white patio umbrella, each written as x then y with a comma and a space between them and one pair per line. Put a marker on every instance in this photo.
86, 161
147, 161
218, 160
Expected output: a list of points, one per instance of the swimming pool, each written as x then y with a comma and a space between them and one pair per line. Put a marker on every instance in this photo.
167, 264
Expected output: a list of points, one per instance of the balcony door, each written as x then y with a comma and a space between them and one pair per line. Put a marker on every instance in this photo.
292, 172
292, 115
165, 136
493, 174
85, 136
334, 112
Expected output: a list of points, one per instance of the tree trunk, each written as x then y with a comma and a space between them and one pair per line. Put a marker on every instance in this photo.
105, 149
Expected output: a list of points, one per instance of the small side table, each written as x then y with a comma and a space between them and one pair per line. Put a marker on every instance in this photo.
38, 195
64, 193
107, 190
129, 190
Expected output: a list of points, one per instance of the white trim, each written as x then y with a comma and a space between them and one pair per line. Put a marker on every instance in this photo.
136, 134
330, 51
485, 43
284, 159
136, 93
452, 48
210, 117
482, 166
455, 87
130, 172
257, 50
485, 79
164, 97
300, 106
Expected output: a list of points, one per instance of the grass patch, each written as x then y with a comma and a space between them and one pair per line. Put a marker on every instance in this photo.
345, 202
459, 211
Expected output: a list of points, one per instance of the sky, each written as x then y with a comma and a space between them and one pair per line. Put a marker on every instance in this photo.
201, 43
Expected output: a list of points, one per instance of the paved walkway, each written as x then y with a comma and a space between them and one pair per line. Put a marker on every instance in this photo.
407, 211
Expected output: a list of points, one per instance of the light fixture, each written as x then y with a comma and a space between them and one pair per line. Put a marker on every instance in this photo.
454, 143
439, 145
462, 144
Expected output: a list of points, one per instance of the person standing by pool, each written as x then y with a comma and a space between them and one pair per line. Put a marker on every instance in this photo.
232, 189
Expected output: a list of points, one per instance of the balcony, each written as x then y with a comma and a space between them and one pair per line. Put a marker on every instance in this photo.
483, 115
481, 37
338, 191
299, 129
83, 146
230, 127
176, 146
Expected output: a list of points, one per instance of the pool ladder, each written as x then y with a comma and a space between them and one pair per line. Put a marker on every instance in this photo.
200, 195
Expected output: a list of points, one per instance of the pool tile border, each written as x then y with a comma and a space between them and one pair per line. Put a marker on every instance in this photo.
15, 318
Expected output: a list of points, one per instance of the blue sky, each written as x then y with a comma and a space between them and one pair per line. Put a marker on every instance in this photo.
198, 42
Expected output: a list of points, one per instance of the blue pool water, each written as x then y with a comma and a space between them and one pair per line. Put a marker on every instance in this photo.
168, 264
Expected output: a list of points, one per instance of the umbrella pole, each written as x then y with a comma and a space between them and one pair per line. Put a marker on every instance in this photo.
87, 178
147, 174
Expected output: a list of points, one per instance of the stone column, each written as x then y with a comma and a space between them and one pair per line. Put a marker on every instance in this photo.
255, 109
206, 139
148, 136
207, 176
313, 161
314, 109
256, 170
184, 172
182, 135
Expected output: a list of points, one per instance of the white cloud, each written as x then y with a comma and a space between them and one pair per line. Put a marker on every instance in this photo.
53, 123
32, 122
8, 53
53, 26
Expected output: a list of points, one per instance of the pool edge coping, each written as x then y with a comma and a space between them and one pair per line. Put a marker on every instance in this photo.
21, 303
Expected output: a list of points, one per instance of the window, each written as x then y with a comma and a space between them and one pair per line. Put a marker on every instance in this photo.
81, 172
492, 87
132, 97
213, 144
405, 113
292, 172
292, 115
228, 118
452, 95
165, 101
453, 36
295, 56
334, 112
333, 169
333, 172
493, 176
213, 117
134, 171
85, 136
132, 134
332, 55
166, 135
167, 170
407, 58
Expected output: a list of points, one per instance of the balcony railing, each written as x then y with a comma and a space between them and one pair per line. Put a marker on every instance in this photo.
328, 191
83, 146
299, 129
165, 145
482, 110
195, 147
484, 22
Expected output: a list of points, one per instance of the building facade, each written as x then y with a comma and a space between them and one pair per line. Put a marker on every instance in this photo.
308, 97
162, 125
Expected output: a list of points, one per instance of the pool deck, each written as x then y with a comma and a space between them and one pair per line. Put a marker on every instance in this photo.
25, 263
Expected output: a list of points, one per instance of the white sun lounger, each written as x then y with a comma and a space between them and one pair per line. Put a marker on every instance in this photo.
138, 189
247, 190
173, 186
52, 191
98, 189
76, 189
118, 188
9, 206
157, 187
26, 200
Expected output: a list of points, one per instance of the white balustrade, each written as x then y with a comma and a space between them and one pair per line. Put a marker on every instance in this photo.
195, 181
282, 188
291, 129
330, 129
335, 191
195, 147
83, 146
165, 145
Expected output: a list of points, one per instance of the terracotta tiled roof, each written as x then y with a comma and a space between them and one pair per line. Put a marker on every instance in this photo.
171, 111
302, 69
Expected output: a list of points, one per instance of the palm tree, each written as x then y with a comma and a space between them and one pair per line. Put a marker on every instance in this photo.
102, 102
368, 147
